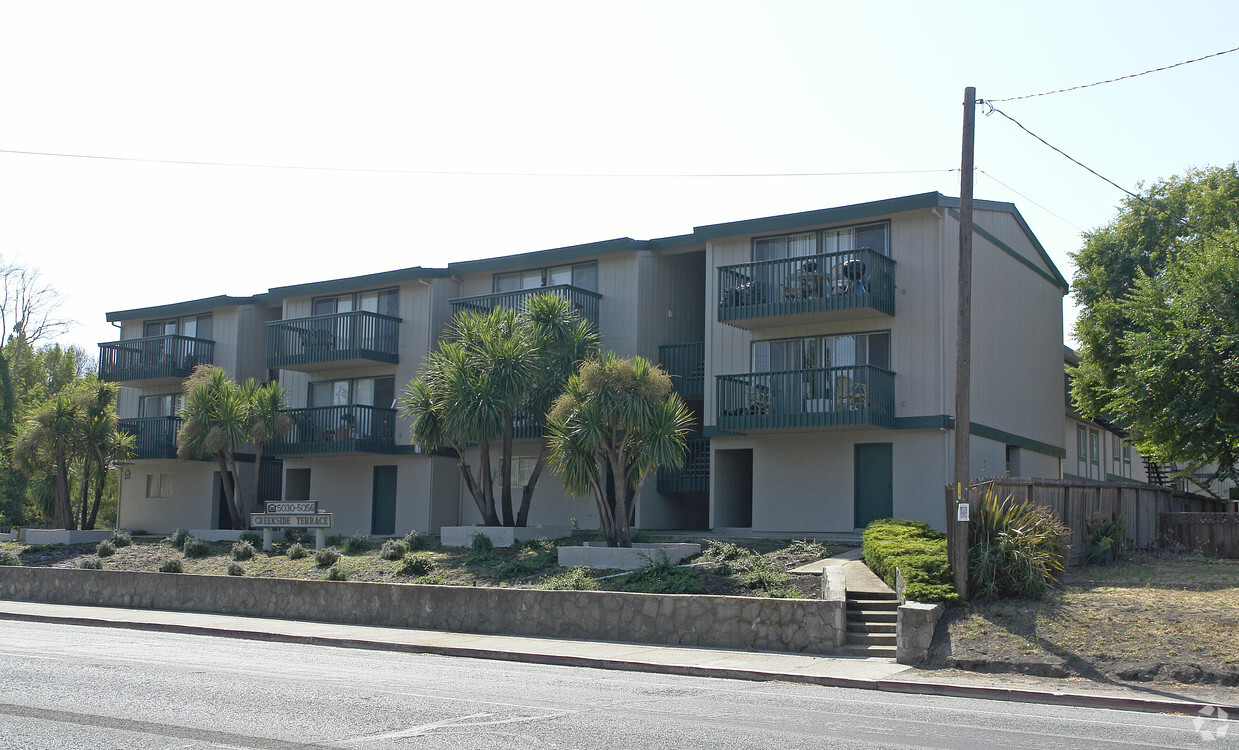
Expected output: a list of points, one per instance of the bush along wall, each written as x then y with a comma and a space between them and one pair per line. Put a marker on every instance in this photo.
1015, 549
918, 552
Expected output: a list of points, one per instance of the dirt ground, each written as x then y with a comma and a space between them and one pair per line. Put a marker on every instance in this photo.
1144, 619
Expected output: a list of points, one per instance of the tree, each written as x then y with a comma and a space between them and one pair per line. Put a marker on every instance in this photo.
28, 305
13, 484
267, 419
492, 369
101, 444
49, 439
1135, 281
215, 424
617, 422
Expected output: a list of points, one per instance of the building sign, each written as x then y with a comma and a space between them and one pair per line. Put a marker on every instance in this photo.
310, 507
290, 520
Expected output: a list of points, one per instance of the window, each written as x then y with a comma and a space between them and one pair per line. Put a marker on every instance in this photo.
194, 326
581, 275
522, 469
381, 301
1081, 451
159, 485
165, 405
846, 350
1013, 461
379, 392
874, 237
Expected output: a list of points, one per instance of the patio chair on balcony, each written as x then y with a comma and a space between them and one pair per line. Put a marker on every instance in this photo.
756, 401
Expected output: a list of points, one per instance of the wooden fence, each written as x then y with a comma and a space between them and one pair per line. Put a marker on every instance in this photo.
1208, 533
1074, 502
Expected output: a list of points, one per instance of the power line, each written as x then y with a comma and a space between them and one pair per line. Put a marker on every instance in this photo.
1030, 200
1120, 78
453, 173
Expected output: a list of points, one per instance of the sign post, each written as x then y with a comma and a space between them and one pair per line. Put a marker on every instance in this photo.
300, 515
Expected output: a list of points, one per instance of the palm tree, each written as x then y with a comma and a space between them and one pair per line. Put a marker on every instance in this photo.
267, 419
215, 424
98, 429
617, 422
48, 440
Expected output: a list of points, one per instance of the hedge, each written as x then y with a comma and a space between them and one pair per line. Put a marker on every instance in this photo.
918, 552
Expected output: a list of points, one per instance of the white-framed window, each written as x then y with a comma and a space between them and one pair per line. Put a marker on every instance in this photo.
874, 237
159, 485
163, 405
522, 469
381, 301
580, 275
193, 326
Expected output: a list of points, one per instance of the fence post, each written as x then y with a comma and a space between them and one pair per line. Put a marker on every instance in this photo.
957, 535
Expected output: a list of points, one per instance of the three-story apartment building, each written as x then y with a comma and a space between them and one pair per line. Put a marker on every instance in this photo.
816, 350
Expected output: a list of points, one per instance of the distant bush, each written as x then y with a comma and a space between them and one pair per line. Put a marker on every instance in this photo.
235, 569
296, 552
720, 551
253, 537
661, 576
90, 563
418, 541
510, 569
579, 578
393, 549
336, 573
430, 580
481, 551
9, 559
1015, 549
326, 557
918, 552
178, 538
195, 547
417, 564
357, 544
243, 550
121, 539
172, 566
105, 549
334, 540
1104, 538
808, 548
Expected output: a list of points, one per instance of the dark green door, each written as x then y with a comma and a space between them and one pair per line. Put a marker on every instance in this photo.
383, 506
872, 488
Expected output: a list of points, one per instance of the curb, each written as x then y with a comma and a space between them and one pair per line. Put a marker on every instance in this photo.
1079, 700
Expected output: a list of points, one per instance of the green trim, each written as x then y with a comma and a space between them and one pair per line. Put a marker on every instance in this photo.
1077, 477
1054, 278
359, 283
853, 213
935, 422
947, 422
177, 309
712, 431
550, 257
1019, 441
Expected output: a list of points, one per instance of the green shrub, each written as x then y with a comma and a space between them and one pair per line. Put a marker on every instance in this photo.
336, 573
253, 537
808, 548
298, 536
579, 578
394, 549
481, 551
296, 552
235, 569
9, 559
1103, 538
105, 549
326, 557
172, 566
121, 539
90, 563
178, 538
661, 576
195, 547
917, 551
418, 541
719, 551
430, 581
510, 569
243, 550
417, 564
334, 540
357, 544
1015, 549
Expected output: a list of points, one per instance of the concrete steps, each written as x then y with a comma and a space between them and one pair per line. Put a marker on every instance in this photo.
871, 621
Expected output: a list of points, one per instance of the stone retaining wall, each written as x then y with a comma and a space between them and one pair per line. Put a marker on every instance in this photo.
808, 626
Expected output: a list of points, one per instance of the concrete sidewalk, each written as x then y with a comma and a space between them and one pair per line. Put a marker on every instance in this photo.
837, 671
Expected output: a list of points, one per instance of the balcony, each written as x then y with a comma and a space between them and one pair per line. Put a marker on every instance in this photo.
583, 301
807, 399
686, 364
353, 428
694, 476
809, 289
153, 437
349, 339
154, 360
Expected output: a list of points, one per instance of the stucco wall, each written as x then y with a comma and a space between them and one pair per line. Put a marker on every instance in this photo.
810, 626
192, 505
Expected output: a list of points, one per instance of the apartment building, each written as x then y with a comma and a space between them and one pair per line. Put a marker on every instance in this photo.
816, 349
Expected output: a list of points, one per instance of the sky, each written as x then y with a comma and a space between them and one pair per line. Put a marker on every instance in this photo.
432, 132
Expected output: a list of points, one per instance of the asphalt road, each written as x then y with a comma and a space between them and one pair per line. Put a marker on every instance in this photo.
65, 686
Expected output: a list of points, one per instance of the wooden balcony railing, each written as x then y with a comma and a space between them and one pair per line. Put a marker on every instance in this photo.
694, 476
153, 437
814, 285
823, 397
353, 428
686, 364
358, 335
583, 301
153, 358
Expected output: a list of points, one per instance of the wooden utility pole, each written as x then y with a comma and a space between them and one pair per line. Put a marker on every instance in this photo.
957, 524
963, 323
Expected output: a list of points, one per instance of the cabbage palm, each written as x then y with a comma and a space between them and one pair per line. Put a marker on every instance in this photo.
215, 418
617, 422
267, 419
49, 439
99, 442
